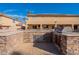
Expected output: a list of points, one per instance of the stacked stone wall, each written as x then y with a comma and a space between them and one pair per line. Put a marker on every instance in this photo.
66, 44
38, 36
9, 43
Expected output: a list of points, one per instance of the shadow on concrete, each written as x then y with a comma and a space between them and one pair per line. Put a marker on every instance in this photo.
49, 47
47, 37
16, 53
46, 44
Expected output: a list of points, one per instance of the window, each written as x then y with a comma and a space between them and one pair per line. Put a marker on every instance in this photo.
34, 27
75, 27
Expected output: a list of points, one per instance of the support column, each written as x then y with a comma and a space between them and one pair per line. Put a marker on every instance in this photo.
73, 26
37, 26
41, 26
55, 25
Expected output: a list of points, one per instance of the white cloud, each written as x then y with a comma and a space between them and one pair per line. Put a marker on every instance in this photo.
20, 17
16, 16
9, 10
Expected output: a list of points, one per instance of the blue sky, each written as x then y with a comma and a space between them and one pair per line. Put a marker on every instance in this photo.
20, 9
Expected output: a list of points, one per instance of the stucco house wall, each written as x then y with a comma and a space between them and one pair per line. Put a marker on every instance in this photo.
5, 21
52, 20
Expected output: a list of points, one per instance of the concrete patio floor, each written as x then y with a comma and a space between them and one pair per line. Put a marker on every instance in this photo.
37, 49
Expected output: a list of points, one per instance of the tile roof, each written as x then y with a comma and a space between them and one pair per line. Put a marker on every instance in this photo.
52, 15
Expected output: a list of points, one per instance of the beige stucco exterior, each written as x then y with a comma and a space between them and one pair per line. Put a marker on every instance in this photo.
7, 22
51, 20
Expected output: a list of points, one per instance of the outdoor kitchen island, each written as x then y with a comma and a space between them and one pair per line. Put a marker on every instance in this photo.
67, 43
